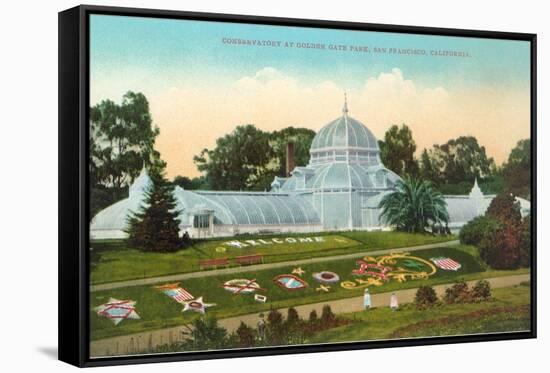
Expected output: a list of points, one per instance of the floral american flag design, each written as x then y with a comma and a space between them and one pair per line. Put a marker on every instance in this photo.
176, 292
447, 264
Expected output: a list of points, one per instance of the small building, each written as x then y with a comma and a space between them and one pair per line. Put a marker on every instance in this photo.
340, 189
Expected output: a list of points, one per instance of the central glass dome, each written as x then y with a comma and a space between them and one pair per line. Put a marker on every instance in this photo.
345, 140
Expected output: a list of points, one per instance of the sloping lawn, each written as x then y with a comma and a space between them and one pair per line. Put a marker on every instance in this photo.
509, 311
158, 310
115, 261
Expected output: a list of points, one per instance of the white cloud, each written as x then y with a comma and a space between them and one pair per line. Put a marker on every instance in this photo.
191, 118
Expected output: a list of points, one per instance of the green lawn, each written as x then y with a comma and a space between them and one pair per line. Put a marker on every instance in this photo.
158, 311
115, 261
509, 311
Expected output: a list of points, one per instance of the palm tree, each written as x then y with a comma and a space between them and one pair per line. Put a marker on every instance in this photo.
413, 206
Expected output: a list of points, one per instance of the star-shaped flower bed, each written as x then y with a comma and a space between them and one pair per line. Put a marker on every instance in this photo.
117, 310
197, 305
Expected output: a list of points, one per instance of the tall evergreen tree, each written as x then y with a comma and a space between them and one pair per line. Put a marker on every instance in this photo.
155, 226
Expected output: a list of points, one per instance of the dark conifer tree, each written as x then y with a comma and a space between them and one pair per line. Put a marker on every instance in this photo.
155, 226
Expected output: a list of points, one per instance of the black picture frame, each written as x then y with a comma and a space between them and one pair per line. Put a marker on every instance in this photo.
74, 190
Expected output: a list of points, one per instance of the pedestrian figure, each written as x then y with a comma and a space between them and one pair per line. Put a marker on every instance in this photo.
394, 303
366, 299
261, 327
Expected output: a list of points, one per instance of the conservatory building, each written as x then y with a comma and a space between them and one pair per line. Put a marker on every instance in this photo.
340, 189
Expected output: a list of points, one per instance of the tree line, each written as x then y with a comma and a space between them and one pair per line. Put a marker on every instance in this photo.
249, 158
454, 165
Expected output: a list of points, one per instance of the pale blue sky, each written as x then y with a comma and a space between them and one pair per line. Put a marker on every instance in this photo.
177, 49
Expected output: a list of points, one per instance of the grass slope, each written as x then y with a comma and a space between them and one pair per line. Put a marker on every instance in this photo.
159, 311
509, 311
115, 261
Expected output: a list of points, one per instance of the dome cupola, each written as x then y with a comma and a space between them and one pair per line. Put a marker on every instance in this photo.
345, 139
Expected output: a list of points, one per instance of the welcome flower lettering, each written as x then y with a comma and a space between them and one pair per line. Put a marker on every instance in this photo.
275, 241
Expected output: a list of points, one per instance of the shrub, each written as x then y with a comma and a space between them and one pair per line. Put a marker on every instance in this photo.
481, 291
207, 334
458, 293
327, 317
246, 336
425, 297
503, 238
292, 317
475, 231
501, 248
313, 316
275, 328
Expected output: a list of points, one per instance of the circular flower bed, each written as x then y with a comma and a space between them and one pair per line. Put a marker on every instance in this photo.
241, 285
326, 277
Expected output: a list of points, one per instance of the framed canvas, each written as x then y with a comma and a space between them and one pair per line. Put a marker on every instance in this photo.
233, 186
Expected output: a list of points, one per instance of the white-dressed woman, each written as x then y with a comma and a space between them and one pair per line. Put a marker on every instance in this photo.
366, 299
394, 303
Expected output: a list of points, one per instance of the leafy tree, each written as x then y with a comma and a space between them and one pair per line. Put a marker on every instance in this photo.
413, 206
239, 161
425, 297
246, 336
493, 184
427, 170
397, 151
155, 227
300, 137
249, 158
122, 139
517, 169
458, 160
